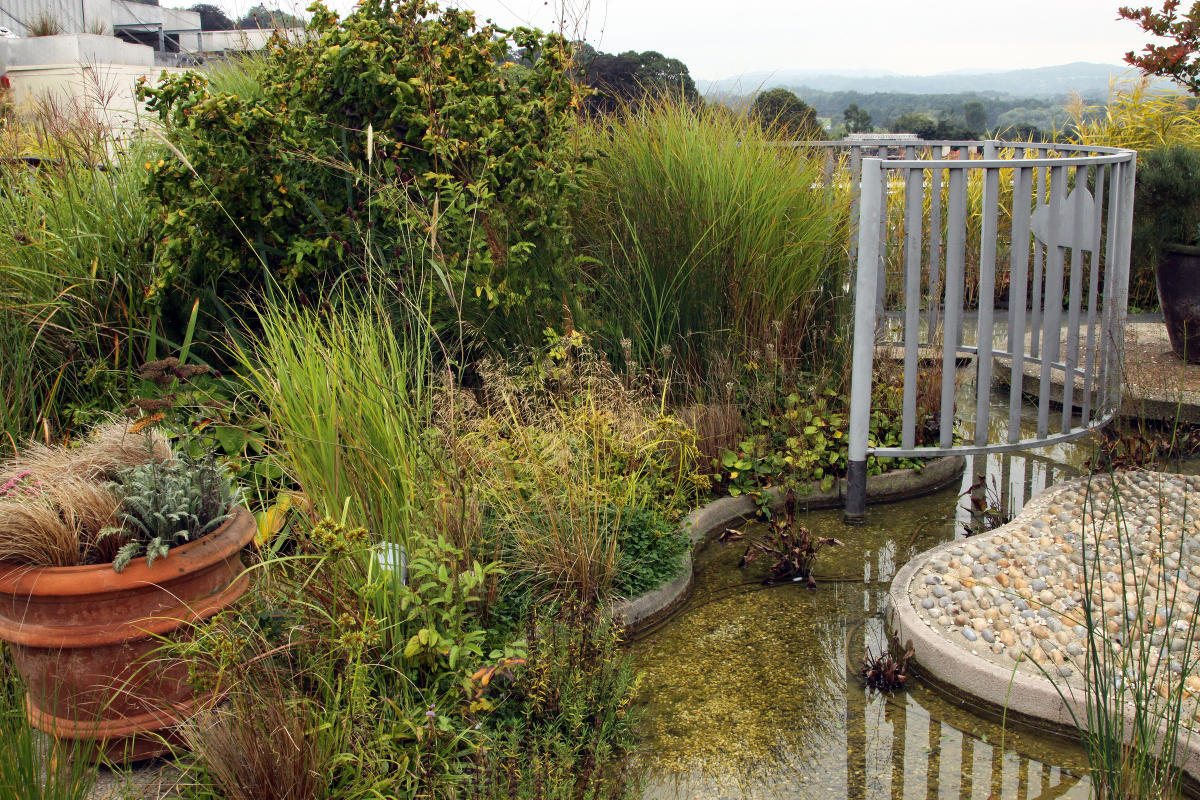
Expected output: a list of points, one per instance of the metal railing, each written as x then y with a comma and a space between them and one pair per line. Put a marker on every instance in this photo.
1044, 228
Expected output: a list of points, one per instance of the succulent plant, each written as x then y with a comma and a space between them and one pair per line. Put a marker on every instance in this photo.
168, 503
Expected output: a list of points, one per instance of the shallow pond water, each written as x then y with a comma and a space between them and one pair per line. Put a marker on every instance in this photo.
747, 694
753, 692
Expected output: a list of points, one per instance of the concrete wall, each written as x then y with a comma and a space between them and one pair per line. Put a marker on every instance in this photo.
73, 16
129, 13
240, 40
75, 49
102, 92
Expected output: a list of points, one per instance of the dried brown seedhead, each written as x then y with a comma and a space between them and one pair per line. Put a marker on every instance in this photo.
33, 533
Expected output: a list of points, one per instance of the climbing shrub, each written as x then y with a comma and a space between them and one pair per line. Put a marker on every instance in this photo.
401, 138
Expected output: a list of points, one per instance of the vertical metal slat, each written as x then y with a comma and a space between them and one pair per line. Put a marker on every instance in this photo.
1039, 251
1074, 296
987, 298
955, 247
1089, 363
935, 250
1051, 320
914, 201
1019, 260
862, 365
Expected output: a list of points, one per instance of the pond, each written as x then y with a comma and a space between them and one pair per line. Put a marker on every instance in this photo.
753, 692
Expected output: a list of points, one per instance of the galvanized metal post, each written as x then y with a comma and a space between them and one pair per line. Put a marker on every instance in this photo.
870, 213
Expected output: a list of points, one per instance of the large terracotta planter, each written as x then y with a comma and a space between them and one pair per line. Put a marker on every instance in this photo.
1178, 276
83, 639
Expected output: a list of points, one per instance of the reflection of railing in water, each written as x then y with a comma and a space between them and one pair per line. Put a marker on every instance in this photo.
892, 742
1010, 480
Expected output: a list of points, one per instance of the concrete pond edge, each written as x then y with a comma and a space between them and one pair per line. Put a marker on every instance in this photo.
1030, 697
638, 613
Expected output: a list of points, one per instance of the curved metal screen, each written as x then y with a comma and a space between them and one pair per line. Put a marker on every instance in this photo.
1011, 257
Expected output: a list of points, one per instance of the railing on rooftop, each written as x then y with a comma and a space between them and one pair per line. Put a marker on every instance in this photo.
1012, 255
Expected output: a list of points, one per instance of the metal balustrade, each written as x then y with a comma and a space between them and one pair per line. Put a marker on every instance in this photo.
939, 223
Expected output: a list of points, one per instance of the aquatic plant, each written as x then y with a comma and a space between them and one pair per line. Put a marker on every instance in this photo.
793, 547
986, 507
886, 672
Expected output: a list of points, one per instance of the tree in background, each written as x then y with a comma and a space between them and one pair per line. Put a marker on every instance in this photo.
1178, 61
795, 118
976, 116
857, 119
923, 126
630, 76
260, 16
212, 18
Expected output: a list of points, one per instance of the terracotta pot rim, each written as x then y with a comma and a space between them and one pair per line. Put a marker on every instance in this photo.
1182, 249
92, 579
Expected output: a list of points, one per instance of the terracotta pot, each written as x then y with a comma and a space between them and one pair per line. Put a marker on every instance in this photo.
1178, 276
82, 639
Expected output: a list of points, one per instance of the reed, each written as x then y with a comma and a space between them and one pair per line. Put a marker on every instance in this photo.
77, 249
34, 766
702, 232
349, 402
1136, 712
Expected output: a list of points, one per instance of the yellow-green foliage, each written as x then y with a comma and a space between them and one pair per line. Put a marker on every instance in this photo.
1137, 117
1142, 119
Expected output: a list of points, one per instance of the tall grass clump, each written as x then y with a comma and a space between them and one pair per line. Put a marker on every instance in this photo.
703, 233
349, 403
77, 249
1140, 611
1144, 119
1137, 117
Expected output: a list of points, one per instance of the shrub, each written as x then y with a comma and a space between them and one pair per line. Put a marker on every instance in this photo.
562, 727
1146, 120
573, 463
375, 664
1166, 201
401, 136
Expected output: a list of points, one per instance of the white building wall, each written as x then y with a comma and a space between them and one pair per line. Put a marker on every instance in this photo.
73, 16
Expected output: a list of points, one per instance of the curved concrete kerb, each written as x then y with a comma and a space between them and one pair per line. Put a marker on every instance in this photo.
998, 614
637, 613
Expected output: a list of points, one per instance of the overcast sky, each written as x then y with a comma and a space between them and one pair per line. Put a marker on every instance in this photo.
725, 38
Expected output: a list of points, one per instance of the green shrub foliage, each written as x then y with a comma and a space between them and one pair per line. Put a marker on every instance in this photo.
403, 137
651, 548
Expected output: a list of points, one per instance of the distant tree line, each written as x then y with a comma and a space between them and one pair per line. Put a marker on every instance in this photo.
213, 18
951, 116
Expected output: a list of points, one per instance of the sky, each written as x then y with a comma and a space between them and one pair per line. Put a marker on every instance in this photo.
726, 38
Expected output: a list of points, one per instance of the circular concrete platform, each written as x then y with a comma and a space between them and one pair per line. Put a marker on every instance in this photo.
1000, 616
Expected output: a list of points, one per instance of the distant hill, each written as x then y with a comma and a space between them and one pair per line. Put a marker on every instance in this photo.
1089, 80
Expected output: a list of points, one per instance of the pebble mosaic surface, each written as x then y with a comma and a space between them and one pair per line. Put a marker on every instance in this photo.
1015, 595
